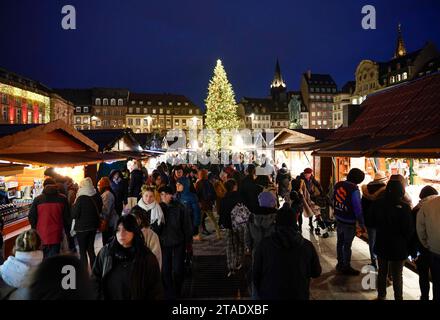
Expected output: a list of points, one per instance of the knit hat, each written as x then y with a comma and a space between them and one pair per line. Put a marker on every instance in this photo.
267, 200
308, 170
86, 183
104, 182
428, 191
356, 176
380, 178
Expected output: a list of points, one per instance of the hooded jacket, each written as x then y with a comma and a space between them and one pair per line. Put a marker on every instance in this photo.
104, 267
230, 200
86, 211
370, 193
283, 264
190, 201
178, 228
259, 226
283, 181
16, 269
49, 215
136, 182
415, 244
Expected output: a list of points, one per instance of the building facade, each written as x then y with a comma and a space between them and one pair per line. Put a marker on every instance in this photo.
22, 100
317, 91
82, 102
341, 100
161, 113
271, 112
109, 107
61, 108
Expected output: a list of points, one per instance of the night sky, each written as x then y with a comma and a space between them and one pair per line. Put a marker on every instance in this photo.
172, 46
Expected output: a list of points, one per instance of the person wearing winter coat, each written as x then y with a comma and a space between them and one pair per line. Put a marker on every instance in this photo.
283, 181
391, 217
108, 209
428, 226
175, 237
249, 190
348, 211
136, 180
152, 207
86, 213
234, 238
260, 224
370, 193
50, 216
207, 196
314, 190
285, 262
126, 269
190, 202
27, 256
419, 254
120, 190
151, 239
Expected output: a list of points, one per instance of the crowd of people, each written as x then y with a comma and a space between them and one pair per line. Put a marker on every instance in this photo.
149, 221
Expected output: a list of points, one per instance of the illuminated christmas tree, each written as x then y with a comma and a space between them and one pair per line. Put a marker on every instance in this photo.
221, 108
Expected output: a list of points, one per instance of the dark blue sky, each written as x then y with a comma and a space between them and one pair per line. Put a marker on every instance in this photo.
172, 46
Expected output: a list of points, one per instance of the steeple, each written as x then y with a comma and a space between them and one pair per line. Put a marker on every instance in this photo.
278, 86
400, 48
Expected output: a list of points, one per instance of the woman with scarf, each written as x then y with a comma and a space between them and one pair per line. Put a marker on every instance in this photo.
86, 213
126, 269
151, 206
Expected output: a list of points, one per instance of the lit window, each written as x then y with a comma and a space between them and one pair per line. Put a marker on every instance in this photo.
186, 103
86, 109
138, 121
325, 122
313, 114
168, 122
130, 110
313, 122
98, 101
138, 110
78, 109
113, 102
154, 110
170, 103
190, 111
177, 122
399, 77
405, 75
161, 110
141, 103
149, 103
133, 102
183, 122
120, 102
130, 122
319, 122
105, 102
178, 103
392, 79
159, 103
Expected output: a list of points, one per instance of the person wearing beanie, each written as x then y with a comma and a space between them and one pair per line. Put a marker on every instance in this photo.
428, 226
315, 191
27, 256
348, 211
86, 213
284, 262
370, 193
261, 223
108, 209
419, 254
50, 216
391, 217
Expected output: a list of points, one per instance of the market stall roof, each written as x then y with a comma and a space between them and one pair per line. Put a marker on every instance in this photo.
61, 159
9, 169
54, 136
299, 139
406, 113
113, 139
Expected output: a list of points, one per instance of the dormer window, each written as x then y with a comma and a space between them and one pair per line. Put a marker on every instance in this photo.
97, 101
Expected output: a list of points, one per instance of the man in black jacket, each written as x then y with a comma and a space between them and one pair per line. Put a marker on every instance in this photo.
174, 237
249, 190
284, 262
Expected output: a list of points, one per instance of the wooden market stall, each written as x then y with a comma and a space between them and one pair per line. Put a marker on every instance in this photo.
25, 152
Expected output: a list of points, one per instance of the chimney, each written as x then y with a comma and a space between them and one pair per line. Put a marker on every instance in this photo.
309, 74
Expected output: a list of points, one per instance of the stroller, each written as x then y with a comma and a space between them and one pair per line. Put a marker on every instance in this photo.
325, 219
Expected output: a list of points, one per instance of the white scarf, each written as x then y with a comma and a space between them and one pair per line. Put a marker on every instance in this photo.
156, 211
86, 191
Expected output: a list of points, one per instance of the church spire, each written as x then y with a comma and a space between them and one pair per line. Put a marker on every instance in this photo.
277, 79
400, 48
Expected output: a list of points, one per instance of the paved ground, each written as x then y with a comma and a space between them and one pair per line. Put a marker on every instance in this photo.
209, 281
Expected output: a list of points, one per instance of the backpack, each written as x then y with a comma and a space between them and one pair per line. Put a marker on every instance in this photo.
239, 216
